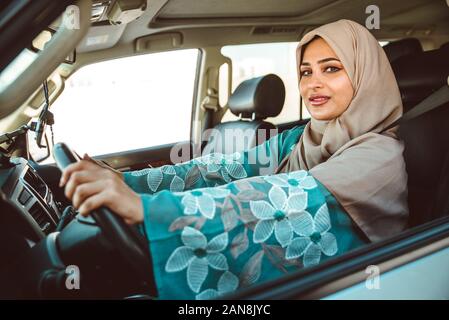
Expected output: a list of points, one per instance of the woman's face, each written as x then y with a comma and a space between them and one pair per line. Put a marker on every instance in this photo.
324, 86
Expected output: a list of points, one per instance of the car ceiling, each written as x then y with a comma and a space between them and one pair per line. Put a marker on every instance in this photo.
254, 18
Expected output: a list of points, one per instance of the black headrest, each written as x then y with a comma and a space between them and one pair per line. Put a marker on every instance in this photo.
397, 49
263, 96
420, 74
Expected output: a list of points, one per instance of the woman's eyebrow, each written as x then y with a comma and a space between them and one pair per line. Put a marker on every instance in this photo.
320, 61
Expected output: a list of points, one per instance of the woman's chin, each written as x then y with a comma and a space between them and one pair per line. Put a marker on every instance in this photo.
322, 116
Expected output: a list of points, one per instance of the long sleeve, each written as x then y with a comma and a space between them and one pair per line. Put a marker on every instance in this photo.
214, 240
215, 169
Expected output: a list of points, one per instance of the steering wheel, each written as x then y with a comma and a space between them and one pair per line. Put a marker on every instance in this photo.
131, 245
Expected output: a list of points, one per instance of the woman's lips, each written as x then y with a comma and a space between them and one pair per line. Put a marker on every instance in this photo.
318, 100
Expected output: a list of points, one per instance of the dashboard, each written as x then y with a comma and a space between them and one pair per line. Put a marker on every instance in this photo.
23, 186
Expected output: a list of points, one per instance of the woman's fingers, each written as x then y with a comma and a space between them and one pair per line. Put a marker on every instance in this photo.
86, 190
94, 202
74, 167
77, 178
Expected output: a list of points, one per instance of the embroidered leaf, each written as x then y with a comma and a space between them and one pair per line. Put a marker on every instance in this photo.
192, 176
214, 176
239, 244
197, 273
228, 216
193, 238
297, 247
263, 230
217, 192
225, 175
139, 173
302, 223
199, 223
154, 179
308, 183
283, 232
182, 222
298, 175
236, 170
228, 282
322, 219
217, 261
218, 243
206, 205
252, 269
244, 185
276, 181
168, 169
278, 255
179, 259
177, 184
328, 244
247, 216
277, 197
262, 209
207, 295
312, 255
190, 204
248, 195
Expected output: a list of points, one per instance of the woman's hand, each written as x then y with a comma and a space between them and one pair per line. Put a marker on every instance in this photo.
90, 186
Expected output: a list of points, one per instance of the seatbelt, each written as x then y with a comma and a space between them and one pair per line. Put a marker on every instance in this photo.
435, 100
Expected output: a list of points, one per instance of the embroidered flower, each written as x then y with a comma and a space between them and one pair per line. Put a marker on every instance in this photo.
296, 181
315, 238
279, 216
226, 165
197, 255
228, 282
202, 200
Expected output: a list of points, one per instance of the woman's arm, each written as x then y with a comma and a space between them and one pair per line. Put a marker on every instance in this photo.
215, 169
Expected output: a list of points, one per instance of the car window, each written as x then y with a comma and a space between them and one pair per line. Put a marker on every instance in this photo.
127, 103
249, 61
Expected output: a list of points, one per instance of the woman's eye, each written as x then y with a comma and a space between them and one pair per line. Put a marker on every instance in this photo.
332, 69
305, 73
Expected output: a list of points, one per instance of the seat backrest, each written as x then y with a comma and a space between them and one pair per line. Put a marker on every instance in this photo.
396, 49
253, 101
426, 138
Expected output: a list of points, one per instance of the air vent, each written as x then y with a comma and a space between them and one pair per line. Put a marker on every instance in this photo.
285, 29
276, 30
262, 30
41, 217
35, 182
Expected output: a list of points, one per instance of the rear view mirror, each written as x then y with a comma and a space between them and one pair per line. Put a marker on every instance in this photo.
38, 44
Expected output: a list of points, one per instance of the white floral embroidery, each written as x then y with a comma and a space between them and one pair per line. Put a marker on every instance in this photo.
203, 200
280, 217
228, 282
177, 184
156, 175
139, 173
197, 255
296, 181
314, 239
225, 164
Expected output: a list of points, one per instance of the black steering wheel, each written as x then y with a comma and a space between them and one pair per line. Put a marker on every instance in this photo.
131, 245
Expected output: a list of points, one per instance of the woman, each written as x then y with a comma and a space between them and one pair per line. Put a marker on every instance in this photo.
215, 225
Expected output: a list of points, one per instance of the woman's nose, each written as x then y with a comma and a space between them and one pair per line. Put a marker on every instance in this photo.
315, 82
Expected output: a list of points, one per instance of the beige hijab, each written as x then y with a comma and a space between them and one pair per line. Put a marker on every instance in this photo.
361, 166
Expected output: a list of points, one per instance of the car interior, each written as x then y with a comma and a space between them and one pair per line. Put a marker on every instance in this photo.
41, 234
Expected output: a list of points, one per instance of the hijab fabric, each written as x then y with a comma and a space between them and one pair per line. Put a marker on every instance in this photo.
361, 165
